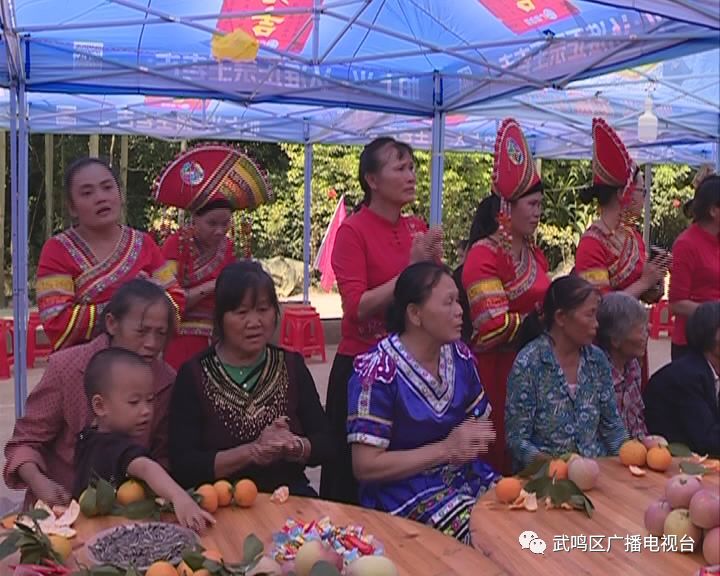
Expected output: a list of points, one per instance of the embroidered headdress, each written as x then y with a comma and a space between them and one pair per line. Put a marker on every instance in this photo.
612, 164
214, 176
209, 173
514, 176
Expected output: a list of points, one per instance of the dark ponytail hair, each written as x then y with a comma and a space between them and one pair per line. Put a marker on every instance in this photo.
707, 196
413, 286
485, 221
566, 293
138, 291
370, 163
78, 165
603, 193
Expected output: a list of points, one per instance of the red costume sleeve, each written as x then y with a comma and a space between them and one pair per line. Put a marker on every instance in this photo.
591, 263
350, 266
493, 323
171, 247
65, 321
683, 263
163, 273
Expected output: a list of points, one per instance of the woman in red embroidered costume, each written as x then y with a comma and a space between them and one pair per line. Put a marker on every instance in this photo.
505, 274
80, 268
210, 182
611, 254
372, 248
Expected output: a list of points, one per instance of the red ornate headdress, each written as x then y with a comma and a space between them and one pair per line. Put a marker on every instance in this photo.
514, 176
514, 173
612, 164
212, 172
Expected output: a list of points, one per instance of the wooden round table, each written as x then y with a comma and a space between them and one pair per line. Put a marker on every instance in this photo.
620, 501
416, 550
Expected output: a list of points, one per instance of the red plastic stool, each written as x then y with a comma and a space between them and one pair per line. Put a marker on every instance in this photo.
657, 324
35, 349
7, 356
301, 330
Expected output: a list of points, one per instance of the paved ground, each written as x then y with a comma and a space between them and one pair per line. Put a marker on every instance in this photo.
659, 354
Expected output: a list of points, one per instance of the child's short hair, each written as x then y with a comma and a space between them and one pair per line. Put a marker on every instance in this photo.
97, 373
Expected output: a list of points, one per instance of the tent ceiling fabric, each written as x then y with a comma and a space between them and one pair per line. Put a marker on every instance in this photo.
685, 93
367, 54
344, 71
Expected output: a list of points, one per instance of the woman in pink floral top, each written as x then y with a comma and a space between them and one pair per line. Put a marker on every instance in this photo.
622, 333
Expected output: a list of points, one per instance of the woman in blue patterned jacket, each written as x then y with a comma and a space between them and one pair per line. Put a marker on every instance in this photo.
560, 394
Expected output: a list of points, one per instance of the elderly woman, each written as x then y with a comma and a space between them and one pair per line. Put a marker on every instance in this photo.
417, 414
244, 408
40, 453
622, 334
682, 399
560, 394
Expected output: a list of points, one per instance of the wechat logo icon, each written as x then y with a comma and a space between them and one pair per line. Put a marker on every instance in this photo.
529, 540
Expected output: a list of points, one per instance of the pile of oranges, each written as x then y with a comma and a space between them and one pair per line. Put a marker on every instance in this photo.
223, 493
634, 454
162, 568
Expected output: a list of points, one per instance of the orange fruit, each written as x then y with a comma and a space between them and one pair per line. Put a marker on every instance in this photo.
61, 546
659, 458
184, 570
508, 489
8, 522
209, 497
161, 568
130, 491
633, 453
558, 468
245, 493
224, 492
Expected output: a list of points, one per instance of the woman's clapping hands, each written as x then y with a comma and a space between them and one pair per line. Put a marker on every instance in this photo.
469, 440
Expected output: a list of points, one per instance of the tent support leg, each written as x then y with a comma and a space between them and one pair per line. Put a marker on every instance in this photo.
648, 206
437, 158
307, 205
19, 231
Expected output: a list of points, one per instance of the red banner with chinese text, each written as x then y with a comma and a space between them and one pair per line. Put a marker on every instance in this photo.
524, 15
275, 30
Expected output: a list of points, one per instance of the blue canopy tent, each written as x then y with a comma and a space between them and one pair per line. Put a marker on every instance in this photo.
685, 93
419, 59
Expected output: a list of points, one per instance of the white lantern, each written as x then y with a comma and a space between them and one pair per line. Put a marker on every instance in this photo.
648, 123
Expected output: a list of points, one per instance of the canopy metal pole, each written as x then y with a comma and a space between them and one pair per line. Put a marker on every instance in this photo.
19, 230
307, 205
648, 206
437, 156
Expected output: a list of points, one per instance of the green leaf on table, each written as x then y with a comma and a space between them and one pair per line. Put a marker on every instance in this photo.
10, 544
105, 497
323, 568
560, 491
132, 572
693, 468
252, 549
679, 450
139, 510
540, 486
194, 559
534, 468
36, 514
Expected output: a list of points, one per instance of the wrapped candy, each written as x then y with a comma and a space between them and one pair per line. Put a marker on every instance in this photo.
350, 541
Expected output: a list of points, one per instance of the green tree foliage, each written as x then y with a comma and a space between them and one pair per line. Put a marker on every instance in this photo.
671, 188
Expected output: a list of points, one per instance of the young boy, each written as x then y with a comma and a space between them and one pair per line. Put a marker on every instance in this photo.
119, 387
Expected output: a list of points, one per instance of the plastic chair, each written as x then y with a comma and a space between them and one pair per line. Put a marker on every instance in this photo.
657, 323
7, 356
301, 330
35, 349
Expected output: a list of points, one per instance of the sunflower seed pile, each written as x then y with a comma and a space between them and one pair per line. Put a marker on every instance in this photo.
140, 545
